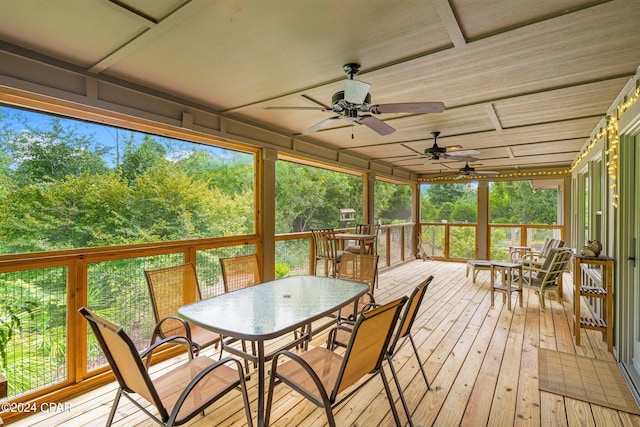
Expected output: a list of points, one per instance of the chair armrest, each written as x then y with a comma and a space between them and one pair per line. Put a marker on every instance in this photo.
333, 332
157, 331
368, 306
307, 368
148, 352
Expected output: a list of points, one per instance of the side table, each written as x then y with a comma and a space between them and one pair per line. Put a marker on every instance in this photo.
604, 292
510, 283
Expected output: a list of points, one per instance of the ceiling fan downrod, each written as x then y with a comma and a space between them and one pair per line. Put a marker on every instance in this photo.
352, 69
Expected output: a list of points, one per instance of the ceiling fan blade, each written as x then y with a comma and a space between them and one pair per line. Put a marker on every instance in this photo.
320, 125
355, 91
296, 108
460, 176
456, 150
459, 158
409, 107
376, 124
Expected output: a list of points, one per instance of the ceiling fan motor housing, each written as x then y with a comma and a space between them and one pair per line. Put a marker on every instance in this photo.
339, 104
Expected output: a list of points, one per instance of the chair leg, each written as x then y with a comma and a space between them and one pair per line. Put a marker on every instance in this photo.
221, 347
114, 407
245, 397
397, 381
246, 362
330, 420
387, 389
541, 297
272, 383
415, 350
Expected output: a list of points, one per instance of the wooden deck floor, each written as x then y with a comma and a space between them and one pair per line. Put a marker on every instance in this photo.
481, 362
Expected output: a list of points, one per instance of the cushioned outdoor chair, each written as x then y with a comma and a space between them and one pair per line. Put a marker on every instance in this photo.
534, 258
171, 288
547, 276
323, 376
177, 394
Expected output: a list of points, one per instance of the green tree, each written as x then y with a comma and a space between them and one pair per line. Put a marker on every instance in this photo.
137, 159
446, 209
437, 194
463, 212
514, 202
52, 154
393, 202
309, 197
81, 211
232, 174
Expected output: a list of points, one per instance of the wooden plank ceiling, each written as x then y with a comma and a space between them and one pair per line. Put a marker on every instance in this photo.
524, 82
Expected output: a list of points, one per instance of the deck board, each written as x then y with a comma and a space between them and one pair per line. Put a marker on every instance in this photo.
481, 362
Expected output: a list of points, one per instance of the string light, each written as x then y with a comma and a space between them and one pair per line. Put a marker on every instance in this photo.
501, 175
612, 132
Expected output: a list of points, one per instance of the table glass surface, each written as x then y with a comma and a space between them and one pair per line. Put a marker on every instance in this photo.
270, 309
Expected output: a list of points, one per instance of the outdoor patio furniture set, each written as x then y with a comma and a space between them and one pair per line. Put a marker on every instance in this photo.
289, 305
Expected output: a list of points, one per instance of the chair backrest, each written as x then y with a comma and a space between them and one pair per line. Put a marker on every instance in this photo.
367, 345
171, 288
550, 244
240, 272
545, 247
554, 265
410, 313
359, 268
324, 240
124, 359
367, 229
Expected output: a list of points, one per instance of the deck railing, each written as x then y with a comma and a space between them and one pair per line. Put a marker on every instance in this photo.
52, 354
458, 241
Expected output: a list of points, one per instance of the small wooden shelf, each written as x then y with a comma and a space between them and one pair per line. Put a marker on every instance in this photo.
604, 292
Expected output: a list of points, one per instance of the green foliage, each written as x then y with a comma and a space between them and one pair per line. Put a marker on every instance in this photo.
57, 191
463, 212
138, 159
282, 270
12, 311
514, 202
393, 203
318, 197
52, 155
462, 242
511, 202
449, 202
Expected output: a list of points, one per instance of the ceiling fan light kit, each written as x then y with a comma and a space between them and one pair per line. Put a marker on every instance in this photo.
454, 152
356, 99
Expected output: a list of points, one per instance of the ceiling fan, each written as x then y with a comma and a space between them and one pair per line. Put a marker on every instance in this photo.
469, 170
455, 152
355, 99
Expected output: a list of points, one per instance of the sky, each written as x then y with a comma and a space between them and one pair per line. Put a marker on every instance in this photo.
102, 135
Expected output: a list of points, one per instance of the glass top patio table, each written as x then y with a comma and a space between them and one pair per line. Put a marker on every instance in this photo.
270, 310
